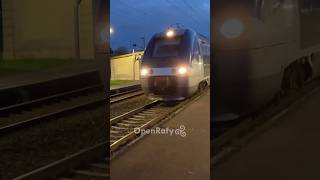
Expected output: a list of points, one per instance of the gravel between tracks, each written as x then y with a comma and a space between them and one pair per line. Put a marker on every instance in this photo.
48, 108
128, 105
26, 150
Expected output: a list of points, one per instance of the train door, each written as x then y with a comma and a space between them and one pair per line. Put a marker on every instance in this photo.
197, 62
206, 59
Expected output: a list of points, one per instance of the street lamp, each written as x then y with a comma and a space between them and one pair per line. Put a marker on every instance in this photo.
144, 42
111, 30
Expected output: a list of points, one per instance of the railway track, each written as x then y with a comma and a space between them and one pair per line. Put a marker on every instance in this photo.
6, 111
92, 163
75, 101
228, 137
122, 96
122, 128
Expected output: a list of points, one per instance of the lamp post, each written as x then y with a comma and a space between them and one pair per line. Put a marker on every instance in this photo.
144, 42
134, 63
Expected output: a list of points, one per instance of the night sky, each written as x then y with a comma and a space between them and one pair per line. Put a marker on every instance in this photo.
133, 19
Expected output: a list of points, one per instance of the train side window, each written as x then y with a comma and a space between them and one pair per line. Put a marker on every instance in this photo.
206, 56
203, 51
196, 52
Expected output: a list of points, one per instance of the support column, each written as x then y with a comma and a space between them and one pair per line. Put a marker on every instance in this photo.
8, 29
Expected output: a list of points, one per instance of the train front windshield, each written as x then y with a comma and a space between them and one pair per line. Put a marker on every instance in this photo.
164, 48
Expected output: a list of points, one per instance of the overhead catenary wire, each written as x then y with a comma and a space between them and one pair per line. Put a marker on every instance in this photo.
177, 7
134, 8
131, 13
125, 13
140, 12
195, 11
195, 14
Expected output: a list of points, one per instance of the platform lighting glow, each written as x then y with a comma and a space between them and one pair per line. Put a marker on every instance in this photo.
182, 70
232, 28
144, 72
170, 33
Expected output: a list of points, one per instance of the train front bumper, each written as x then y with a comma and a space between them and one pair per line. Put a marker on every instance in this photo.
166, 88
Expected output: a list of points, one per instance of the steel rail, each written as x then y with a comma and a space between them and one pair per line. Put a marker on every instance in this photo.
30, 104
67, 111
95, 159
92, 162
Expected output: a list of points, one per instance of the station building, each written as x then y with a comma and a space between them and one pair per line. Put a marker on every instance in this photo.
36, 29
126, 67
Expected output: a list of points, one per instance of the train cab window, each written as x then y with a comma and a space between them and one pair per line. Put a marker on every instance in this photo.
166, 48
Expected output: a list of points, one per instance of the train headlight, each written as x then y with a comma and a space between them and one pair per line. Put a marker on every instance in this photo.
170, 33
182, 70
232, 28
145, 71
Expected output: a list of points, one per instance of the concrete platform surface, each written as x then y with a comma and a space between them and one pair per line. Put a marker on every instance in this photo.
45, 75
288, 150
165, 157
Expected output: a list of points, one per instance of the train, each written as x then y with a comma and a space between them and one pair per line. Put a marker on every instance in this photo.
261, 49
175, 64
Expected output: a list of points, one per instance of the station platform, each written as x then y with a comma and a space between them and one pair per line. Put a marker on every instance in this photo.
289, 149
163, 157
46, 75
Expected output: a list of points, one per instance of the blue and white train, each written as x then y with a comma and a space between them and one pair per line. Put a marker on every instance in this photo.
176, 63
